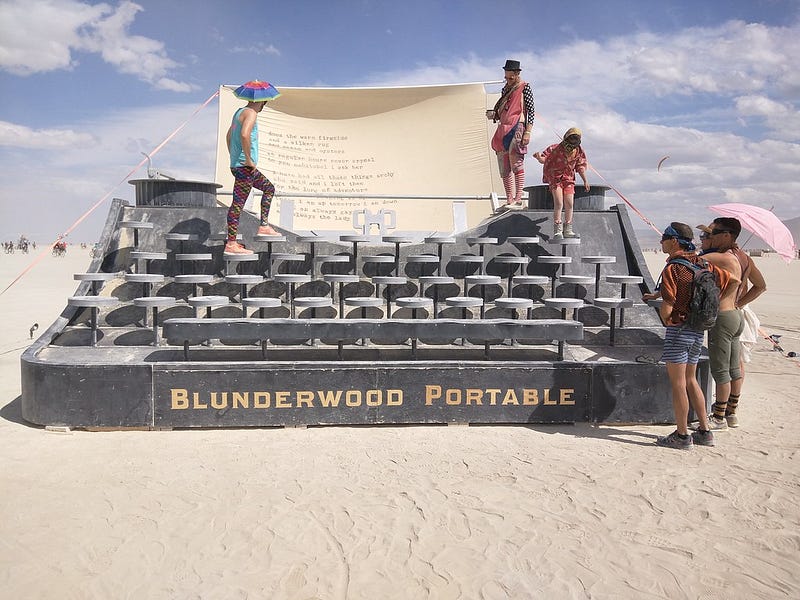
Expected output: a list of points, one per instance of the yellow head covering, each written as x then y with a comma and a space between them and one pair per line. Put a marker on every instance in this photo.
570, 147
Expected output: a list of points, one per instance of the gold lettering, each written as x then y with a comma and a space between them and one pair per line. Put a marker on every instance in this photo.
196, 401
394, 397
180, 399
328, 398
547, 400
452, 397
510, 398
219, 404
566, 397
260, 399
241, 400
353, 398
432, 392
306, 398
474, 396
282, 400
530, 397
374, 397
492, 396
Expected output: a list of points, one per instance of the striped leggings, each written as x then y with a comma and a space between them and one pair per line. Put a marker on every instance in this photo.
248, 178
512, 165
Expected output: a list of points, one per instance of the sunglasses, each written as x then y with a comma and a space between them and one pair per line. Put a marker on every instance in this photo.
718, 231
664, 238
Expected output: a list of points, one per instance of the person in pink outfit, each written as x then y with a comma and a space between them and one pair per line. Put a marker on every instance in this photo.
513, 114
561, 161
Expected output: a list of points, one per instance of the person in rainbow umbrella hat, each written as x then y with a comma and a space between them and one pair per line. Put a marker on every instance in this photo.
242, 141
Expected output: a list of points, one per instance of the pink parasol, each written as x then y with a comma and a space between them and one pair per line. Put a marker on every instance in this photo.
762, 223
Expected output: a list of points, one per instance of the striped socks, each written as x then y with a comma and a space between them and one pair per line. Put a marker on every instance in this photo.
733, 404
508, 185
719, 409
519, 178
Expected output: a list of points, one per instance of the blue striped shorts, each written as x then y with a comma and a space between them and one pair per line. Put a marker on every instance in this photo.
682, 345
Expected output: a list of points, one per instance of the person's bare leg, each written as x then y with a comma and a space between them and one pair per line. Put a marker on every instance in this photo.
737, 384
558, 204
696, 397
680, 397
504, 164
569, 200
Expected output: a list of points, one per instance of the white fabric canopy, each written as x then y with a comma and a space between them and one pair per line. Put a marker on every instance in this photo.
429, 140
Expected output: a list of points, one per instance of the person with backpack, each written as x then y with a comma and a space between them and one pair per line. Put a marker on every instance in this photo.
688, 307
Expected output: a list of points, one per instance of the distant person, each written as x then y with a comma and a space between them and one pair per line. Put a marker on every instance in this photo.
513, 113
242, 141
682, 345
722, 235
561, 161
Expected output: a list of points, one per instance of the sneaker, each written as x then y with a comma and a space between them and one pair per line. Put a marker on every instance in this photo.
732, 420
558, 231
673, 440
568, 233
236, 248
703, 438
266, 230
717, 424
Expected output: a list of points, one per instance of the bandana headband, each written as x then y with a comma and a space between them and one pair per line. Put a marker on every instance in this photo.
684, 242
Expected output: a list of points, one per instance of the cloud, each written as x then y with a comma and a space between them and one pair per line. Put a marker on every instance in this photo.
255, 48
40, 36
637, 98
730, 60
259, 49
80, 169
18, 136
704, 168
782, 118
721, 101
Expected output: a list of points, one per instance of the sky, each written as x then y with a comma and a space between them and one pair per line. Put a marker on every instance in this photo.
86, 87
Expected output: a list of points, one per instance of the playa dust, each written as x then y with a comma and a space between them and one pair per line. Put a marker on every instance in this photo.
490, 512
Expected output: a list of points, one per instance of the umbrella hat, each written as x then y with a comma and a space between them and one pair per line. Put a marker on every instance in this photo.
762, 223
256, 91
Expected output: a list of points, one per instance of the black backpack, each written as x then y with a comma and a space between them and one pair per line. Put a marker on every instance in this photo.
704, 304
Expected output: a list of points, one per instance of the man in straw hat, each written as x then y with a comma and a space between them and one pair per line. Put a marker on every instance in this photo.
242, 142
513, 114
561, 161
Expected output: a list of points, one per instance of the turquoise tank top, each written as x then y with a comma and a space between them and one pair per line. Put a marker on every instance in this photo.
237, 154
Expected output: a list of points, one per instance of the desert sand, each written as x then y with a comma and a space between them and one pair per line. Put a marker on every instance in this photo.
481, 512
